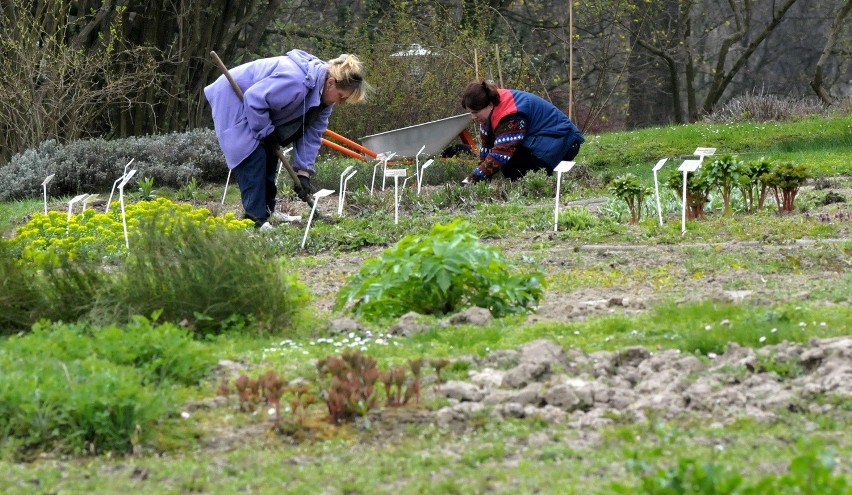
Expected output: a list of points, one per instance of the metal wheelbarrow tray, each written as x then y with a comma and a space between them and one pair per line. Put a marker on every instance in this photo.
407, 141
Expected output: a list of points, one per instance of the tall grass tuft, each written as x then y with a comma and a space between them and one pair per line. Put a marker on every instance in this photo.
212, 280
19, 296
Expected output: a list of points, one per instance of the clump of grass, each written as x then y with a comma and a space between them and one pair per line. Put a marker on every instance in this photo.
83, 389
211, 279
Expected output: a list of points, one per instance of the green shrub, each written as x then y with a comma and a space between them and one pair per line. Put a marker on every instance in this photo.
78, 388
210, 277
19, 296
46, 239
93, 165
698, 186
724, 172
439, 273
785, 180
628, 188
751, 183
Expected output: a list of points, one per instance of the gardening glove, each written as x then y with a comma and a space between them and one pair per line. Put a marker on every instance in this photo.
303, 188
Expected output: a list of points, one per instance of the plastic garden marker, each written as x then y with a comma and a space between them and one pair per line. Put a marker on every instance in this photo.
91, 197
317, 195
124, 182
228, 180
380, 158
686, 167
44, 186
71, 206
702, 152
423, 169
341, 198
396, 173
385, 161
417, 165
562, 167
657, 167
114, 184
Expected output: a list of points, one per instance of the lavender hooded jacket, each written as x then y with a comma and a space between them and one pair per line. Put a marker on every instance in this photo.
277, 90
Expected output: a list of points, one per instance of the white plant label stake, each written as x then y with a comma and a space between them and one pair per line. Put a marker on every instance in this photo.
124, 182
657, 167
381, 158
342, 196
422, 170
417, 169
227, 181
385, 161
115, 184
702, 152
90, 197
564, 166
44, 186
317, 195
396, 173
686, 167
71, 207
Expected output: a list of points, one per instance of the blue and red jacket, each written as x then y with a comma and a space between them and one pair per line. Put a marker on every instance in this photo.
523, 119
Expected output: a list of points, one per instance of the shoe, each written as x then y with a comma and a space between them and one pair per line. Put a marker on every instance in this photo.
266, 226
283, 217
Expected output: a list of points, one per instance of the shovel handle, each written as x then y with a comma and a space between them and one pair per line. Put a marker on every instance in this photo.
278, 151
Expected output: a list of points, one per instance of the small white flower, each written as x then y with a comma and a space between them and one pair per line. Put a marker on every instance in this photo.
822, 323
351, 335
607, 339
708, 327
380, 341
184, 415
802, 324
762, 339
725, 322
271, 411
711, 355
774, 330
576, 332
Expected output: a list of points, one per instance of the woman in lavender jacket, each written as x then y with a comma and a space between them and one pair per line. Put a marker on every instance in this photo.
287, 100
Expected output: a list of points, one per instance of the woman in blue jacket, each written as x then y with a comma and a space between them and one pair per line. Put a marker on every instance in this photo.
287, 100
519, 132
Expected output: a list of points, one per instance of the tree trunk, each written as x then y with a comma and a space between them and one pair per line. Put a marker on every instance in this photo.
831, 40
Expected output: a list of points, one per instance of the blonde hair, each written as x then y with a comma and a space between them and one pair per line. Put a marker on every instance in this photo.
348, 72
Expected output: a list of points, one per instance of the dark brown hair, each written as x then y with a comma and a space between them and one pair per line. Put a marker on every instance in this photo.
478, 95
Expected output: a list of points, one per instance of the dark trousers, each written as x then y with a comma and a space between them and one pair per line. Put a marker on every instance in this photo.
524, 161
256, 177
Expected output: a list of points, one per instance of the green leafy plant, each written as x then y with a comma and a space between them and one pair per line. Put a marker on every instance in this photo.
189, 191
724, 172
628, 188
810, 472
439, 273
146, 189
697, 191
577, 219
785, 180
751, 183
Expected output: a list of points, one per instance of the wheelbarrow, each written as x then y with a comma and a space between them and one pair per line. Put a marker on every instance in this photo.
429, 138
